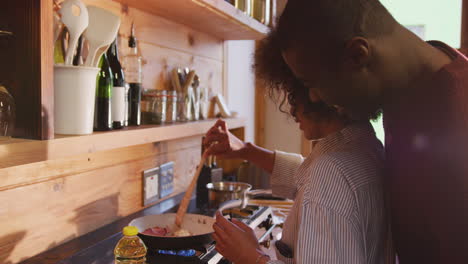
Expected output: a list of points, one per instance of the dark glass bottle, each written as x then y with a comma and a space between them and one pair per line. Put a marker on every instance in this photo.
118, 90
104, 84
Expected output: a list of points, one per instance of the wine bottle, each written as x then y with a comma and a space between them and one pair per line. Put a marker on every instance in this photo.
132, 63
118, 90
102, 110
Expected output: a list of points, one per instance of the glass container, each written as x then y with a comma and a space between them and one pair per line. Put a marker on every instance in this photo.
244, 5
261, 10
153, 106
171, 110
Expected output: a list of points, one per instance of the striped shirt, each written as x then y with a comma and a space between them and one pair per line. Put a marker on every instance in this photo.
338, 214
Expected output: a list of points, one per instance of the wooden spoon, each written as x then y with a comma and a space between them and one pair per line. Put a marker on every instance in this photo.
188, 194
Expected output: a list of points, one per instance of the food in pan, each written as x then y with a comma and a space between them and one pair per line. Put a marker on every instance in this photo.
166, 232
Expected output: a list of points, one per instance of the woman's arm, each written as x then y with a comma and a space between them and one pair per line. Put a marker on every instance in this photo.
284, 180
282, 166
222, 143
261, 157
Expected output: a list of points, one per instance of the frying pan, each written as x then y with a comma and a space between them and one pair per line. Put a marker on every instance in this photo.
200, 226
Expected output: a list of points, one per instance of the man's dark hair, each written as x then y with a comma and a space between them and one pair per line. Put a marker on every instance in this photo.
282, 86
331, 23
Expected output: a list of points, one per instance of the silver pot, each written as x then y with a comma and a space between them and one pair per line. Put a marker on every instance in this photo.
222, 192
219, 192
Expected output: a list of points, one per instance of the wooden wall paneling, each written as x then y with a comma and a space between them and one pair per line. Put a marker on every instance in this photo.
162, 32
40, 216
25, 65
161, 60
32, 173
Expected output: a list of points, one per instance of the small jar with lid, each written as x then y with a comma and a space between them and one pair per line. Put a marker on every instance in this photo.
154, 106
171, 110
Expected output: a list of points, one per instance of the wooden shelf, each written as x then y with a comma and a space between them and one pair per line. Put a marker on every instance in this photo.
22, 152
215, 17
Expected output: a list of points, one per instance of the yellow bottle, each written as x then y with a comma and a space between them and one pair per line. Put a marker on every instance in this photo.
130, 249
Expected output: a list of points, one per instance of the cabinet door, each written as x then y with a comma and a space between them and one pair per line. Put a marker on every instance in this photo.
26, 64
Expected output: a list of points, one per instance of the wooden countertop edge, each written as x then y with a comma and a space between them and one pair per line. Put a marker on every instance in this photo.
20, 152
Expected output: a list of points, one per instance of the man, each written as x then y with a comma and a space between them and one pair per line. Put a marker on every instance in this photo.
352, 54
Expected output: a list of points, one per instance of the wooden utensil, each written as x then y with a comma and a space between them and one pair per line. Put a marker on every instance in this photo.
176, 81
188, 81
188, 194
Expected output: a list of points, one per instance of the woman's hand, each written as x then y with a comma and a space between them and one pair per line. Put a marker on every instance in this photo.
236, 241
221, 143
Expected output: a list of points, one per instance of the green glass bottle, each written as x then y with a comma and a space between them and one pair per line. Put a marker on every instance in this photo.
104, 85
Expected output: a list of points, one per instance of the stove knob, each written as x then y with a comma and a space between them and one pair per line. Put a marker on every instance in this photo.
265, 243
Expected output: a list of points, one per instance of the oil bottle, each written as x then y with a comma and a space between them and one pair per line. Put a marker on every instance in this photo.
130, 249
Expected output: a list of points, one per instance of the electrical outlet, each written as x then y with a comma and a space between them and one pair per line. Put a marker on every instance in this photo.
166, 179
151, 185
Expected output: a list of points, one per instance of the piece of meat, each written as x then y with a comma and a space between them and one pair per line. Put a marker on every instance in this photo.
156, 231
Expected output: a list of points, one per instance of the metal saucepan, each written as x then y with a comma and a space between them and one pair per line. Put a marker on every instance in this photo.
200, 226
221, 192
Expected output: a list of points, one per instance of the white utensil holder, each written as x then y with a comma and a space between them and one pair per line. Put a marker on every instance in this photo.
74, 99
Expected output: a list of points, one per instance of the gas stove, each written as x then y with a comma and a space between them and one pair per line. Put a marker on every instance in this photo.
256, 217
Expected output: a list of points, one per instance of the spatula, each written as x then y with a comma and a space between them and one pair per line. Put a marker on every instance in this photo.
102, 30
75, 17
188, 194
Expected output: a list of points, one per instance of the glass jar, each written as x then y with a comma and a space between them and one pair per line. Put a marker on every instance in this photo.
160, 106
184, 106
153, 106
171, 110
244, 5
261, 10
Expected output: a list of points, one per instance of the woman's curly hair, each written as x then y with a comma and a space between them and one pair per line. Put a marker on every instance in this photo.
282, 86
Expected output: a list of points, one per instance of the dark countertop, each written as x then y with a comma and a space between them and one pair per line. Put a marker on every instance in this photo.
97, 246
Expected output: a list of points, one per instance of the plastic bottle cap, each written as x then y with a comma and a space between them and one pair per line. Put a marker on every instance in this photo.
130, 231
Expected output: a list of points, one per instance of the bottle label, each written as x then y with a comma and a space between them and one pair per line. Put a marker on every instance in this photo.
118, 103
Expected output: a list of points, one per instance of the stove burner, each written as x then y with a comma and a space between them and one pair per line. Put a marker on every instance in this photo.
180, 253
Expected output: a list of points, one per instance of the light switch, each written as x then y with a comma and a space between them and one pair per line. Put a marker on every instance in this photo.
150, 186
166, 180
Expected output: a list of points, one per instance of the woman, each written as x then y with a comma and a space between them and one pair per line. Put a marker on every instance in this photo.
338, 214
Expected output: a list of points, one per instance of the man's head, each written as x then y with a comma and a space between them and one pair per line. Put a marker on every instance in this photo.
331, 47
